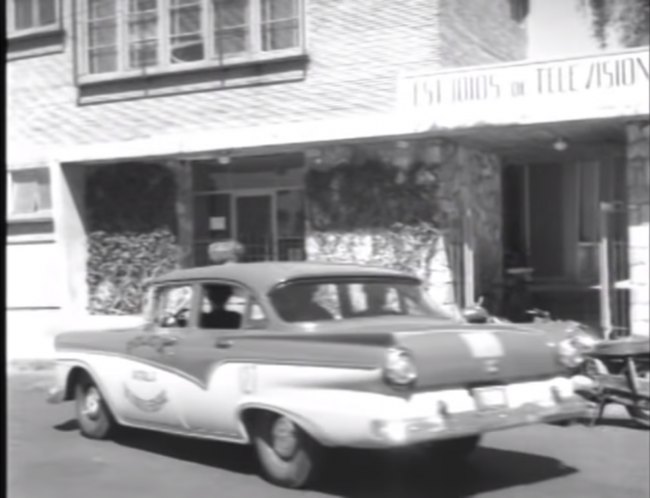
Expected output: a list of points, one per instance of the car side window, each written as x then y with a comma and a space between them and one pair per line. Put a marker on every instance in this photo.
222, 306
173, 305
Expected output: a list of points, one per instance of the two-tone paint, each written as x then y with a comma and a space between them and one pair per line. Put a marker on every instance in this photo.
327, 377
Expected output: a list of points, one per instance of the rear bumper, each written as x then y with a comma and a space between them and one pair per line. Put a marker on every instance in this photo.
421, 430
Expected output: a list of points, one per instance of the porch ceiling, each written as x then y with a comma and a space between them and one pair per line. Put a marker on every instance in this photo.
534, 142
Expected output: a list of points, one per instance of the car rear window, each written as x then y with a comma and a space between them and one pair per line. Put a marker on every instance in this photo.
322, 300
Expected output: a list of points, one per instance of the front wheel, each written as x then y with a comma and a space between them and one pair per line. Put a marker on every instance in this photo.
94, 418
288, 456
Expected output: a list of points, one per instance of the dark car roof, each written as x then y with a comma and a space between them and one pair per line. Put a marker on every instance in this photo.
264, 275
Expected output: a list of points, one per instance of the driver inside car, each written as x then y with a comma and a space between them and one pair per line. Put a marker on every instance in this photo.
219, 317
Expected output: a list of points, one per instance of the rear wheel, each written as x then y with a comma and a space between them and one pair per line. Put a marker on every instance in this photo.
94, 418
288, 456
640, 412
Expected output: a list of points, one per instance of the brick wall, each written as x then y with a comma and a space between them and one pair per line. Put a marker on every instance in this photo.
638, 181
476, 32
356, 49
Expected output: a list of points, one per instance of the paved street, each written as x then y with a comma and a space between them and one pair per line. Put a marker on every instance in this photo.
49, 459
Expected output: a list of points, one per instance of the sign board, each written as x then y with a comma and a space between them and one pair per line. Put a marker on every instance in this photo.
591, 87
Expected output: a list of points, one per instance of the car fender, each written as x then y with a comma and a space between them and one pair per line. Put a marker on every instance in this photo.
333, 417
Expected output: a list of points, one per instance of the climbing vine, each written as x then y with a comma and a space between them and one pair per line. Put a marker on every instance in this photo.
369, 211
131, 234
631, 18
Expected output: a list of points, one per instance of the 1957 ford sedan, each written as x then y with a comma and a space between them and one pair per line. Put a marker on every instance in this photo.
298, 357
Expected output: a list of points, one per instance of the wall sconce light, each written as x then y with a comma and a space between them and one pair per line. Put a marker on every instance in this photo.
223, 159
560, 145
403, 144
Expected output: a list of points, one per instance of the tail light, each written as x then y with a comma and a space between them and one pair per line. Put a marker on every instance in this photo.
399, 368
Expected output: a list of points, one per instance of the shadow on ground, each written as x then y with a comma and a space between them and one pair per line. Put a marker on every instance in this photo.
367, 474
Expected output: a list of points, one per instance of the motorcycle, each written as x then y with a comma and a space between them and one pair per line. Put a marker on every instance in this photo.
603, 371
620, 374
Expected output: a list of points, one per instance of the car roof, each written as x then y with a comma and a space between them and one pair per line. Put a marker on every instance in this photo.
265, 275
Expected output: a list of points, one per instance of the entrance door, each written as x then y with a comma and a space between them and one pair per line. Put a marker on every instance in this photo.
254, 226
547, 218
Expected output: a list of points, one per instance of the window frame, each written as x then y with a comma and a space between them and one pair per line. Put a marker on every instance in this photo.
41, 214
247, 324
255, 53
160, 291
15, 33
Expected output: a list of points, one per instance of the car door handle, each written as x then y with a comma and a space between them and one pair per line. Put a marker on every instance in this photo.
224, 343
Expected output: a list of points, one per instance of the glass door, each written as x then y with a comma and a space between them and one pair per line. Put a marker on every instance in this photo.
254, 226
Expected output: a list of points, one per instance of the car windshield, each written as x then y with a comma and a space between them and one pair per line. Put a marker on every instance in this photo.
337, 299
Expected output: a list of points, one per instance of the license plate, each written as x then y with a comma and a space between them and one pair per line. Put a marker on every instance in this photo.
491, 397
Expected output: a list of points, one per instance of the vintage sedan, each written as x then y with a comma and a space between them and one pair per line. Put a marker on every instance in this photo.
295, 358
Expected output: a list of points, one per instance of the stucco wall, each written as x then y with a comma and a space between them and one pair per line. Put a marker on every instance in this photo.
461, 180
638, 181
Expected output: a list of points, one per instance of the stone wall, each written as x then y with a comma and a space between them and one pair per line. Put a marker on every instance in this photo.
413, 218
638, 181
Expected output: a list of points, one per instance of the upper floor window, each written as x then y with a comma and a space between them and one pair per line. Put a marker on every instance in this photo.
130, 36
28, 193
26, 16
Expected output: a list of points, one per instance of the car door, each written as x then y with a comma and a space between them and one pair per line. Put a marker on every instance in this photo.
208, 356
150, 379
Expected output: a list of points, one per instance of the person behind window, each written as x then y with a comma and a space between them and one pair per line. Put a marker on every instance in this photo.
296, 303
375, 300
219, 317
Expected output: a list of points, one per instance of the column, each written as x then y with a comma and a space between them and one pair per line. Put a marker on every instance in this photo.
184, 209
638, 190
68, 203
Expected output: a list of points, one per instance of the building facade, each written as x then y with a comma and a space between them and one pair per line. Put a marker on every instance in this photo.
320, 129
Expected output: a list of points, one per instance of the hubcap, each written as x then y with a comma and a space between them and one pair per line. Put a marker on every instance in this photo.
284, 437
91, 405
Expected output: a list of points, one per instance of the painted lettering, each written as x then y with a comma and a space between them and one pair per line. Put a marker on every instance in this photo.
154, 404
642, 63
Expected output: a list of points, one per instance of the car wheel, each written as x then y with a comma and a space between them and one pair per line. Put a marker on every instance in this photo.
640, 414
94, 418
288, 456
457, 450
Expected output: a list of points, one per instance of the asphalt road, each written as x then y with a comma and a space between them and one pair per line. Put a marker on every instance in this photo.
47, 458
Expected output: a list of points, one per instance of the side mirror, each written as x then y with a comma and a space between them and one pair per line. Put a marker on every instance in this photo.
475, 314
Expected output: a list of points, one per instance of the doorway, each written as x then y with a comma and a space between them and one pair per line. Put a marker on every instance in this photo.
254, 226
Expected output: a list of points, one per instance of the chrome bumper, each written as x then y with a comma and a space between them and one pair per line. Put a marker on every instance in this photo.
413, 431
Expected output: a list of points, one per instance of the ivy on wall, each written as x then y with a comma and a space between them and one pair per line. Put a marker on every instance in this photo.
630, 18
371, 194
367, 210
131, 226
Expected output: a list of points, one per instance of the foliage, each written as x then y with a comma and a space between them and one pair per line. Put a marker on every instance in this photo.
369, 211
631, 18
131, 234
372, 194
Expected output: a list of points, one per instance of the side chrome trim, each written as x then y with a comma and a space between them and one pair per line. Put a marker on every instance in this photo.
203, 383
